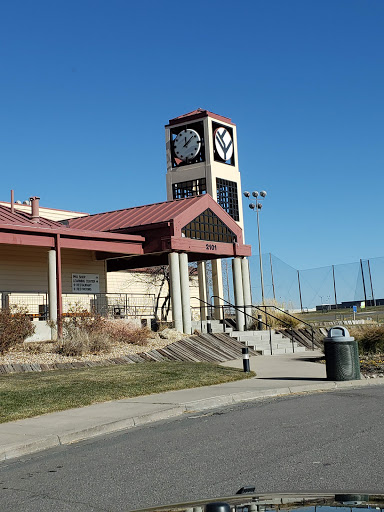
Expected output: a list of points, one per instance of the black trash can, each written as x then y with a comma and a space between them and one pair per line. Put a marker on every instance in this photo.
341, 355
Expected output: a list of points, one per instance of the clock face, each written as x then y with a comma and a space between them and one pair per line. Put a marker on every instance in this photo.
187, 144
223, 143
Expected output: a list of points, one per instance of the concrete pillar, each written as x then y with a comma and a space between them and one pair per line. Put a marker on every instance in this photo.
52, 294
52, 290
218, 290
174, 274
247, 292
238, 292
202, 278
5, 300
185, 294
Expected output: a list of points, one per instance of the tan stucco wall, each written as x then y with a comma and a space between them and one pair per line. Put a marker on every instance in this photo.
47, 213
25, 268
142, 284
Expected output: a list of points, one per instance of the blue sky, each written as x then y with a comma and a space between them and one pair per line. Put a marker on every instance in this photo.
86, 88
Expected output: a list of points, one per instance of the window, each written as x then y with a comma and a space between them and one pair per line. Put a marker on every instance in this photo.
189, 188
208, 226
227, 197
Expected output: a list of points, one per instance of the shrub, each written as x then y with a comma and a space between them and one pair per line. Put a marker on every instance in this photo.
15, 327
278, 320
125, 332
82, 343
73, 346
83, 333
82, 320
34, 347
87, 333
370, 338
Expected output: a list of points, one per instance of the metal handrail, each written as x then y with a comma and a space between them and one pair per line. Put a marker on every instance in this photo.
265, 312
229, 304
238, 308
292, 316
242, 310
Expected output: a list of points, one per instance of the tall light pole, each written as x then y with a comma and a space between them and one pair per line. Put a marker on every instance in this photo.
257, 205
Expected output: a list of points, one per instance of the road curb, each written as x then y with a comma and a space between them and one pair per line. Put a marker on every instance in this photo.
52, 441
247, 396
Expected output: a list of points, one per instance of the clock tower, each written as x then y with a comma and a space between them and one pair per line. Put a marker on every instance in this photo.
202, 159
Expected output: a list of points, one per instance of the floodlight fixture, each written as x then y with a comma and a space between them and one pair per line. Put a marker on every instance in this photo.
256, 205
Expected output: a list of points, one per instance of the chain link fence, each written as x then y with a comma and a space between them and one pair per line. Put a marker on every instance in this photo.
333, 286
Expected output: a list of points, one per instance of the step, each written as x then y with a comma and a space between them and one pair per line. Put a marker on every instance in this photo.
280, 351
256, 334
286, 347
255, 339
216, 326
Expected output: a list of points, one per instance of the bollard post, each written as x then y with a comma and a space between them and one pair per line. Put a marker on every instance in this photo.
246, 366
259, 322
209, 326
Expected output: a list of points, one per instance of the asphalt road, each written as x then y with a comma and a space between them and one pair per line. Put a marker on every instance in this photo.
320, 442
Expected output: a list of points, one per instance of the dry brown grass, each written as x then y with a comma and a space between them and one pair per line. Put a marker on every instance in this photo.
34, 347
86, 333
124, 332
83, 343
369, 337
279, 320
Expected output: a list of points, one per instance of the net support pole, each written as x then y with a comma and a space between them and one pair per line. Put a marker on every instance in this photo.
334, 284
298, 280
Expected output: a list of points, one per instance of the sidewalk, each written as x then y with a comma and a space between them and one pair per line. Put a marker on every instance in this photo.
276, 375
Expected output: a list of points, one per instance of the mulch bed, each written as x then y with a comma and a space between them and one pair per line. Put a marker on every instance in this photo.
372, 366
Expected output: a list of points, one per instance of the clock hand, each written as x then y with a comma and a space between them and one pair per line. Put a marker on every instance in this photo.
186, 143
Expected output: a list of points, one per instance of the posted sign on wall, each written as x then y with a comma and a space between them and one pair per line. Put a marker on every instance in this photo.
85, 283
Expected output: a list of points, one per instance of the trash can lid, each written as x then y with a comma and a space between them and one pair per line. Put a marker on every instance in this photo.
339, 333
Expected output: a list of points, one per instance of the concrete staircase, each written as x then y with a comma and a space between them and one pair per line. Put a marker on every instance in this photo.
256, 340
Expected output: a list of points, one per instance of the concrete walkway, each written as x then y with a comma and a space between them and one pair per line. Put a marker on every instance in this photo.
276, 376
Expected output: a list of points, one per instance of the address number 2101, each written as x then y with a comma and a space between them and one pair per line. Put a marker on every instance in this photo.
211, 247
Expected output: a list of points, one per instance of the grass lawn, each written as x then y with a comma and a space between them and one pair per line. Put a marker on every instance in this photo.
31, 394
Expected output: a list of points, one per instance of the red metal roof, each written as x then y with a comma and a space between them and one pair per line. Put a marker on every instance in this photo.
19, 218
197, 114
131, 217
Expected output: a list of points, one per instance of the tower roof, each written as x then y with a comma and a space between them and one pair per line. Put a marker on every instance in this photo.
198, 114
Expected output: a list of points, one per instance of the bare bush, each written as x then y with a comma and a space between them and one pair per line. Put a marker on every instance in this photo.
275, 318
83, 333
82, 343
370, 338
125, 332
34, 347
87, 333
15, 327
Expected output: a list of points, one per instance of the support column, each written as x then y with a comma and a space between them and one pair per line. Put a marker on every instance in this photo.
5, 300
59, 288
218, 291
174, 273
202, 278
52, 291
185, 293
238, 292
247, 292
